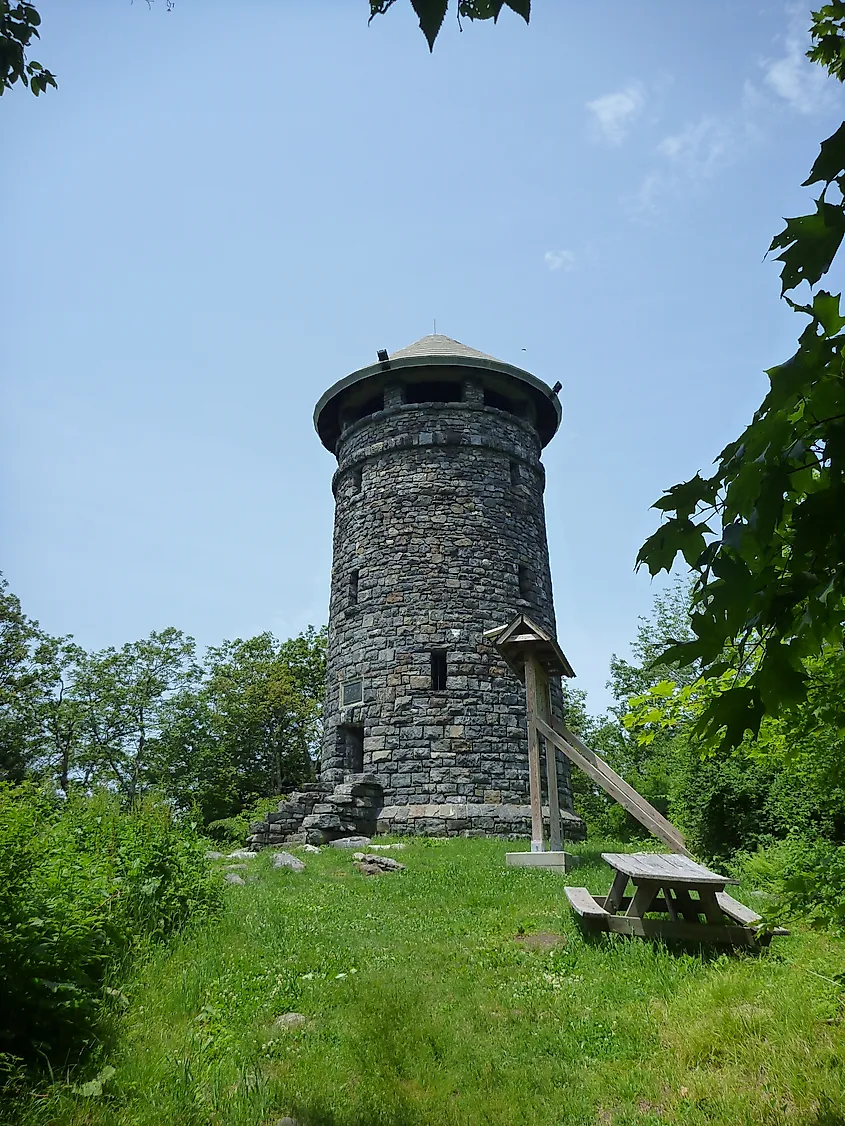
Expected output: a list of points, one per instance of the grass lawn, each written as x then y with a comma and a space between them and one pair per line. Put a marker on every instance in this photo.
426, 1006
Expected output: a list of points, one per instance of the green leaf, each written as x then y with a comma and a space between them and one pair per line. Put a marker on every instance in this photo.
94, 1087
830, 162
676, 535
431, 14
826, 309
683, 499
521, 7
809, 244
780, 677
733, 713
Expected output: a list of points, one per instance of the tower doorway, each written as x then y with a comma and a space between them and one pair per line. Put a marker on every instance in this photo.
351, 739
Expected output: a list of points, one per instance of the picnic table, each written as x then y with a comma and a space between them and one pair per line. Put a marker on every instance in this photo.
689, 900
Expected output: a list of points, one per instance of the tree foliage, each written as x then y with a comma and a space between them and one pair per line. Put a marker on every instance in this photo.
764, 534
19, 23
216, 734
432, 13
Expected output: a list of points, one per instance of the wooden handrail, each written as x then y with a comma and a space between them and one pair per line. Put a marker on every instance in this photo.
563, 740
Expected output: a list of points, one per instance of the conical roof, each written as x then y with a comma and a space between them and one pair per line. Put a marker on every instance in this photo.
433, 357
437, 345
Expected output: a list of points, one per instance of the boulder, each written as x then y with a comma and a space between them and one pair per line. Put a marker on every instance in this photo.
286, 860
233, 878
350, 842
369, 864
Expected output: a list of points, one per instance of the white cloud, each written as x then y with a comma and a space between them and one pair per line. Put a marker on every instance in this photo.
560, 259
688, 159
803, 85
700, 149
614, 114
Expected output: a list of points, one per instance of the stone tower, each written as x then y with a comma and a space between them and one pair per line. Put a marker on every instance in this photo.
439, 535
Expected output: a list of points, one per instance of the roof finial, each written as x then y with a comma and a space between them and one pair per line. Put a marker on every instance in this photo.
435, 326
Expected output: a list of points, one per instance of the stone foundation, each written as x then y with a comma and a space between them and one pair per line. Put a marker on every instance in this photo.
470, 819
318, 814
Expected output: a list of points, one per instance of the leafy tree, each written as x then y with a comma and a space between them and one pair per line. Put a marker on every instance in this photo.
60, 717
19, 23
648, 768
764, 534
20, 685
123, 695
265, 698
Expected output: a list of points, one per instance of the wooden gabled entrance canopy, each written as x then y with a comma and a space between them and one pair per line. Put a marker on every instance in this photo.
534, 655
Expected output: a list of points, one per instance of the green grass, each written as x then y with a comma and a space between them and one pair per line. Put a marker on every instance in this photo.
424, 1009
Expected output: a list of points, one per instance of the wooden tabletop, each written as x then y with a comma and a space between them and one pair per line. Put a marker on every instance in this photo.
668, 867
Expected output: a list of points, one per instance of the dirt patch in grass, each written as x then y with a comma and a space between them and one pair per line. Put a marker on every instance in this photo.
542, 941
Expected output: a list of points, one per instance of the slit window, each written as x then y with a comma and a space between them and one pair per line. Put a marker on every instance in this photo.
524, 578
438, 669
352, 600
514, 473
431, 391
356, 477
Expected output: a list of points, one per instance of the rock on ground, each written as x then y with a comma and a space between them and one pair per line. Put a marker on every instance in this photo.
371, 865
285, 860
308, 848
291, 1020
233, 878
214, 855
385, 847
241, 854
350, 842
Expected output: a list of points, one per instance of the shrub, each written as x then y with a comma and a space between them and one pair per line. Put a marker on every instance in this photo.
805, 877
83, 884
234, 830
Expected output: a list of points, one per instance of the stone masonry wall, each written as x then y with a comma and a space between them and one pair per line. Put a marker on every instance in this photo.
439, 535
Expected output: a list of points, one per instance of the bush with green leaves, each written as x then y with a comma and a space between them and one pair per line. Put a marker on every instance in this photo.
233, 830
804, 877
84, 884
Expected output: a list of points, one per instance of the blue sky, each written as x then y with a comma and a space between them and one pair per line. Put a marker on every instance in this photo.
227, 207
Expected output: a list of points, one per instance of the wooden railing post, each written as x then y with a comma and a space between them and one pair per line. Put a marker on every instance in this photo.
544, 712
531, 700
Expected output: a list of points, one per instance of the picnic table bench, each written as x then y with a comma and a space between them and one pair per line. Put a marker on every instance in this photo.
680, 890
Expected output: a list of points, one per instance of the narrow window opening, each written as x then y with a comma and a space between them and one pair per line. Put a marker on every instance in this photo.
430, 391
438, 669
524, 577
356, 477
514, 472
500, 402
353, 588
